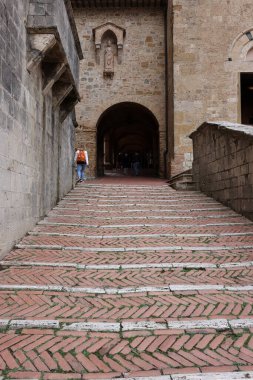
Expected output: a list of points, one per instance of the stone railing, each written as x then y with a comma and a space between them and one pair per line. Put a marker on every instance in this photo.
223, 164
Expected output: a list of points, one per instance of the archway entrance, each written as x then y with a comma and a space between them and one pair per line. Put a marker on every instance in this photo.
246, 98
126, 133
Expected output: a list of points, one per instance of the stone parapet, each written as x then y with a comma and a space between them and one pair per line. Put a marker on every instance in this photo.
223, 164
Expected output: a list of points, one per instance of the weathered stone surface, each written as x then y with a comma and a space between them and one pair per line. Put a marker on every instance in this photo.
139, 78
223, 161
206, 82
36, 150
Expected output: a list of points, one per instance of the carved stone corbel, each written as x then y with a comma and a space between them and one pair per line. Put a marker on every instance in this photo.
39, 45
54, 74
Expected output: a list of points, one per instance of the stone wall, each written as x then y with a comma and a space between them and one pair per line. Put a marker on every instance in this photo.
206, 72
140, 78
223, 164
50, 14
36, 150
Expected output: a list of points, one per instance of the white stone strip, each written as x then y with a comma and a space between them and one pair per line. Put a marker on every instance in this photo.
143, 325
216, 324
93, 326
119, 291
66, 208
154, 202
35, 233
185, 265
178, 210
159, 195
133, 249
44, 324
159, 187
197, 376
237, 265
120, 196
228, 215
241, 323
45, 223
4, 323
212, 376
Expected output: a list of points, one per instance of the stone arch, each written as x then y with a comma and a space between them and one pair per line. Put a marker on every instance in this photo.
127, 128
241, 45
239, 63
249, 56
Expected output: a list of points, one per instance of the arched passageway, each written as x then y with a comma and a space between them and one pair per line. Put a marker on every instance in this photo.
126, 131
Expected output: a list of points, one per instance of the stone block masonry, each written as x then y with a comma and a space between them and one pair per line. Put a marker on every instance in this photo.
139, 78
206, 75
36, 148
223, 164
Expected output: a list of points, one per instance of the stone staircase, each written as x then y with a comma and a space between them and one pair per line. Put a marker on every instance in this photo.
183, 181
130, 282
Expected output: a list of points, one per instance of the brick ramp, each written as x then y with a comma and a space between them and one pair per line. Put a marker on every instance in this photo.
126, 281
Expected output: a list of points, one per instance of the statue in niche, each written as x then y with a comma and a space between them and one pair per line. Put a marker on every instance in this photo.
109, 60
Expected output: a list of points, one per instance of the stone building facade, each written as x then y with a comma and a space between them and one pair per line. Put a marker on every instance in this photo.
183, 60
39, 66
134, 93
153, 71
211, 53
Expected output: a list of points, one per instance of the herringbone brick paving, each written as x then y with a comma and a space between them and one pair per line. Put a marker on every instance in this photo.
125, 278
134, 257
134, 217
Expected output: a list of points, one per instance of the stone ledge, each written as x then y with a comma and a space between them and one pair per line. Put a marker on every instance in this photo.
236, 129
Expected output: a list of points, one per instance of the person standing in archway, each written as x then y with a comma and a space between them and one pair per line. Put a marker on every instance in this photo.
81, 160
136, 164
125, 163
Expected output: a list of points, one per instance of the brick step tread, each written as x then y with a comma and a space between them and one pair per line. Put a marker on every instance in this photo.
135, 229
125, 278
134, 211
150, 219
49, 305
138, 240
120, 258
137, 201
105, 353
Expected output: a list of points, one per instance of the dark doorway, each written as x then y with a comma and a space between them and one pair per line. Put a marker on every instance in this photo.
127, 131
247, 98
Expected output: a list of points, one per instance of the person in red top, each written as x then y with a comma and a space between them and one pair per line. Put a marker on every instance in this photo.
81, 159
